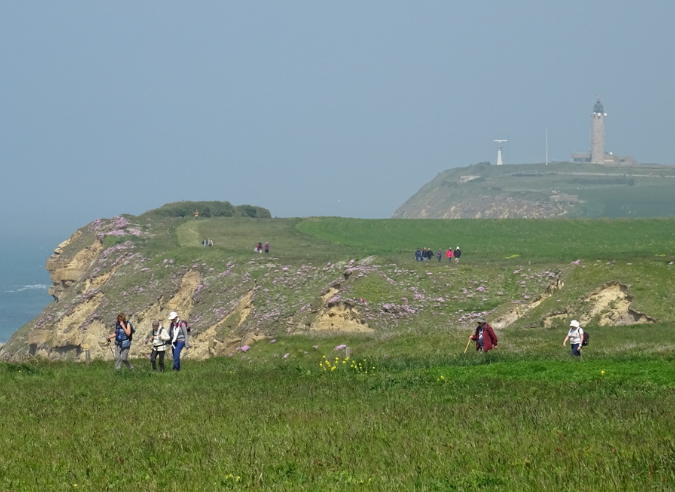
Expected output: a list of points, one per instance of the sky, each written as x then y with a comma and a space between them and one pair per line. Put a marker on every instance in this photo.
309, 108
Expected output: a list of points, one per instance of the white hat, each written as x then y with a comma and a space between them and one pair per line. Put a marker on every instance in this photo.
173, 315
574, 323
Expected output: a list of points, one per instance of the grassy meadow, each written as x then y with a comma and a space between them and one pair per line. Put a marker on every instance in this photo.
407, 410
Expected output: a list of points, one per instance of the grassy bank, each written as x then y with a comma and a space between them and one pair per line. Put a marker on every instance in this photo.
403, 413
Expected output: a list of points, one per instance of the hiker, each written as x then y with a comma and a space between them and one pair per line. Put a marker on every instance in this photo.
418, 255
448, 255
123, 334
204, 243
575, 336
178, 333
439, 254
267, 248
210, 243
484, 336
196, 214
458, 253
160, 339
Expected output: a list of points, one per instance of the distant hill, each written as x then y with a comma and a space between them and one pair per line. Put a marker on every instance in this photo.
542, 191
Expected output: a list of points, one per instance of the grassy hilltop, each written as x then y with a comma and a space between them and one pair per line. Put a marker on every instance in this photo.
545, 191
277, 405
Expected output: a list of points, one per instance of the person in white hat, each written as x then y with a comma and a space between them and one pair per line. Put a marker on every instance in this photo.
179, 333
575, 336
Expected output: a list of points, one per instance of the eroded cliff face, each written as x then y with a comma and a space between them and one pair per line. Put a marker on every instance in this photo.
139, 267
101, 270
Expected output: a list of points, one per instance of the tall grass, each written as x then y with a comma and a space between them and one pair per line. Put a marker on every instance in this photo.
418, 417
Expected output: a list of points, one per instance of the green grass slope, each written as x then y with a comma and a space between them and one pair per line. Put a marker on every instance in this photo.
506, 266
540, 191
407, 410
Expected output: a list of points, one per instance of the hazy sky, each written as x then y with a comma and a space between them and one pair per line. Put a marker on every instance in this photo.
309, 108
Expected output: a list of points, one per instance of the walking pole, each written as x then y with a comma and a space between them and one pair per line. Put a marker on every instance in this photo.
467, 345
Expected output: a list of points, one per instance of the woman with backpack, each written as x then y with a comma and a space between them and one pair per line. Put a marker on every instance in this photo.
576, 338
160, 339
123, 334
178, 332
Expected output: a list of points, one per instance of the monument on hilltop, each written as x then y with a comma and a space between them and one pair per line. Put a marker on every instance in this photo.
598, 134
597, 155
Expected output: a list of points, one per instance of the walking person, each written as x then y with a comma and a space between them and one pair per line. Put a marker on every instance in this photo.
178, 332
484, 336
576, 336
267, 248
160, 339
448, 255
439, 254
123, 334
458, 253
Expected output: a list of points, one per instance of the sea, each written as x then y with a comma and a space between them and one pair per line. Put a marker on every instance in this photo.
24, 281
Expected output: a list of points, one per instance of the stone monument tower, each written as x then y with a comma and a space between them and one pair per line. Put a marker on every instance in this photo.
598, 134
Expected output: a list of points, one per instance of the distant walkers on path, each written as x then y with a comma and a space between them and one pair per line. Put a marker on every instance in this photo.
204, 242
439, 254
457, 254
123, 335
178, 333
267, 248
209, 243
448, 255
484, 336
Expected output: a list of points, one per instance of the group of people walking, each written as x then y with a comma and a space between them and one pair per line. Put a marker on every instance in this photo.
426, 254
207, 242
486, 339
177, 337
259, 248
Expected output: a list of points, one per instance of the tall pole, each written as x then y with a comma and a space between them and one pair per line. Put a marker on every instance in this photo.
547, 146
500, 144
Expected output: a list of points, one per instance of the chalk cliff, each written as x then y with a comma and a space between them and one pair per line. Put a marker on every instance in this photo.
138, 266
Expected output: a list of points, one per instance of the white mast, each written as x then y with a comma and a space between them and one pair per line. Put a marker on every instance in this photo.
547, 146
500, 145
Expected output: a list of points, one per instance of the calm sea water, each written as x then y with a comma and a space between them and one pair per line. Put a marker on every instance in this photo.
24, 282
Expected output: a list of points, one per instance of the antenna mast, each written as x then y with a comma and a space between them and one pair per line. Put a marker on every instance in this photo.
500, 145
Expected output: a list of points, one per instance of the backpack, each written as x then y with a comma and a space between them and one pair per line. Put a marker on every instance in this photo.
133, 330
120, 336
584, 341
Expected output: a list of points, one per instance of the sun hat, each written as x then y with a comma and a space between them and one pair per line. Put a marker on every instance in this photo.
173, 315
574, 323
480, 320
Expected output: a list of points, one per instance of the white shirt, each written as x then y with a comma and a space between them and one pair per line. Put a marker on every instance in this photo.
575, 335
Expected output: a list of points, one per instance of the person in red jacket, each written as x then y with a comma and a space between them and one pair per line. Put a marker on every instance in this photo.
484, 336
